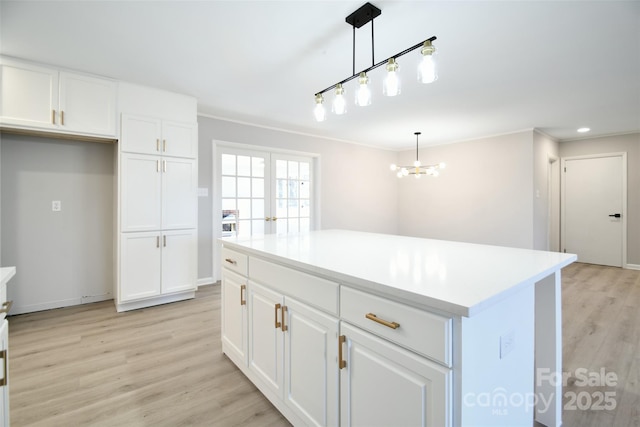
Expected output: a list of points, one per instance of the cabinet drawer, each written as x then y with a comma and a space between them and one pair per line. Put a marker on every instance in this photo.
426, 333
312, 290
234, 261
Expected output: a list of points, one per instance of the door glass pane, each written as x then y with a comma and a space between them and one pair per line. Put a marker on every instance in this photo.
228, 204
228, 186
244, 208
257, 210
244, 166
293, 170
304, 224
293, 194
228, 164
281, 169
281, 209
257, 187
304, 171
304, 190
281, 189
257, 167
244, 187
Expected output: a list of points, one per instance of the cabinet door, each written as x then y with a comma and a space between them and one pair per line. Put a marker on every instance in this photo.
29, 95
179, 255
140, 261
266, 337
233, 326
4, 366
179, 139
179, 193
141, 135
140, 192
87, 104
311, 368
383, 385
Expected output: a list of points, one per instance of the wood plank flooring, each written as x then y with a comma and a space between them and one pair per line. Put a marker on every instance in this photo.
162, 366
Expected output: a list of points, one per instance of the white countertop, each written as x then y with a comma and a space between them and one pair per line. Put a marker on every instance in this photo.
459, 278
6, 273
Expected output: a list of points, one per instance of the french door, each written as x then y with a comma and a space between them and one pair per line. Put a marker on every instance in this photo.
264, 193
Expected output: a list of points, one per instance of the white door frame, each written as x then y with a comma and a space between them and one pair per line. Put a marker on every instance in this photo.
623, 156
216, 186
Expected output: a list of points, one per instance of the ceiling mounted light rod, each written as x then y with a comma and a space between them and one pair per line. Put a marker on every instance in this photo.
418, 169
391, 84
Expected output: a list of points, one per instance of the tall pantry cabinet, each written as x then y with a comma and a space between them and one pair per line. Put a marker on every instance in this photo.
157, 192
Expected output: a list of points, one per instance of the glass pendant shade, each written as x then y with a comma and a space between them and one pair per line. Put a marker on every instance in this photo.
427, 72
339, 105
391, 85
363, 95
319, 112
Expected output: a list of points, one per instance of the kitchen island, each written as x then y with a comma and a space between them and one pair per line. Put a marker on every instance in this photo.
349, 328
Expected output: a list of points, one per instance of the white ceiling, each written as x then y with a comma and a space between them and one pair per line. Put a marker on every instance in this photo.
504, 66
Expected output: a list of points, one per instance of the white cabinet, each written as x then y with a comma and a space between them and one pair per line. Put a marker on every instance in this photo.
157, 193
293, 353
4, 380
382, 384
147, 135
233, 328
46, 99
156, 263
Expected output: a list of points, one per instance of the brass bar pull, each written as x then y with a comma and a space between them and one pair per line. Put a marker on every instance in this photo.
157, 165
231, 261
62, 117
6, 306
392, 325
341, 363
164, 166
164, 241
4, 380
157, 144
277, 307
164, 145
53, 117
243, 289
283, 311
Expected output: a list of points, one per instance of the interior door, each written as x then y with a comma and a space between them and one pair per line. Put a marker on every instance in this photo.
593, 208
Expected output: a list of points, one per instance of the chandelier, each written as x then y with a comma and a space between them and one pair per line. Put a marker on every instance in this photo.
418, 169
391, 84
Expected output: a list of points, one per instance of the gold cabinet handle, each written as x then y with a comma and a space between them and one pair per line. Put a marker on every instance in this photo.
157, 165
164, 166
392, 325
53, 117
62, 117
341, 363
4, 380
278, 324
164, 145
243, 289
231, 261
283, 311
6, 306
157, 144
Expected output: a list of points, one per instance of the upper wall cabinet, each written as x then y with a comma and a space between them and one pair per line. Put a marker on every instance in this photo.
146, 135
45, 99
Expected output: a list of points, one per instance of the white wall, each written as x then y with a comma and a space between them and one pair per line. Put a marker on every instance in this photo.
630, 144
357, 191
62, 258
485, 195
546, 202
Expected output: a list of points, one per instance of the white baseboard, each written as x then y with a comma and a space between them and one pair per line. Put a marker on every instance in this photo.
632, 266
205, 281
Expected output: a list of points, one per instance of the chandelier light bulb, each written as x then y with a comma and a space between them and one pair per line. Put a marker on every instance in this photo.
339, 103
393, 167
427, 68
319, 112
417, 163
442, 165
363, 95
391, 85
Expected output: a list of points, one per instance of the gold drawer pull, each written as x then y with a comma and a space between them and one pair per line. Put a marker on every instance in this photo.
392, 325
243, 289
4, 380
231, 261
277, 307
283, 311
6, 306
341, 363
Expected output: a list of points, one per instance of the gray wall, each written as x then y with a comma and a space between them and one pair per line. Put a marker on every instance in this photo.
64, 257
630, 144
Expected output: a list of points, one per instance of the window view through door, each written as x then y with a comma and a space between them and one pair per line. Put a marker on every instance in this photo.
264, 193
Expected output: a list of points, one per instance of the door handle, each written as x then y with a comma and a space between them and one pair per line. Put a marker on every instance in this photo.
615, 215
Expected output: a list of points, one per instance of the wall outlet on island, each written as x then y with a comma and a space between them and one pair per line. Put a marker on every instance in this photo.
507, 343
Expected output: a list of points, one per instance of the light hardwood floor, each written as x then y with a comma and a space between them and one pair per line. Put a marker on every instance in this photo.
162, 366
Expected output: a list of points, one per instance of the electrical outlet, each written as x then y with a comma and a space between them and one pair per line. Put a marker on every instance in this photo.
56, 205
507, 343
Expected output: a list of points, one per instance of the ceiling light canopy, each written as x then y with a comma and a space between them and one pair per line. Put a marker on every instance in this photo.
391, 84
418, 169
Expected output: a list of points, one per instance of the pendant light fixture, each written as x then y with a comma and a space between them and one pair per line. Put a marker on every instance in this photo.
391, 84
418, 169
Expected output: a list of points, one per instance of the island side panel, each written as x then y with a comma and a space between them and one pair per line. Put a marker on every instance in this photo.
496, 368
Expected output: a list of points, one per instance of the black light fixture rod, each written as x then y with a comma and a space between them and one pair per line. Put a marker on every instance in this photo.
354, 49
373, 67
372, 45
417, 135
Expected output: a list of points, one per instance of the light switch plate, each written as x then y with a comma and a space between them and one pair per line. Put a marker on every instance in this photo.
56, 205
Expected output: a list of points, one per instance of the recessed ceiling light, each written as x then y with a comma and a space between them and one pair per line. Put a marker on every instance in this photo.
583, 130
